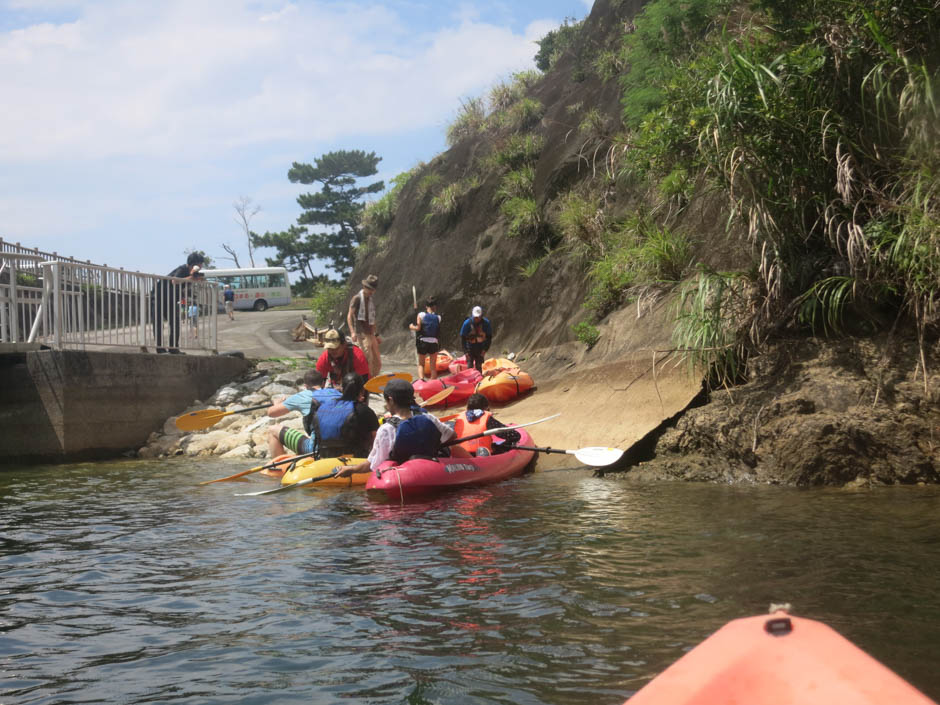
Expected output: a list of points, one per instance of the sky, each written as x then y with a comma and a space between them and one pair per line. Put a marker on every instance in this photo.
130, 128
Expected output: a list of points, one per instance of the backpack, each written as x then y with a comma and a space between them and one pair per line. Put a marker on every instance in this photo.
415, 436
430, 325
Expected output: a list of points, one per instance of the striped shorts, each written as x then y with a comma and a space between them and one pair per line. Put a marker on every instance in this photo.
296, 441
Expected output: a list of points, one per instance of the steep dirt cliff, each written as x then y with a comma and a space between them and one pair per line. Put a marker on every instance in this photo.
856, 410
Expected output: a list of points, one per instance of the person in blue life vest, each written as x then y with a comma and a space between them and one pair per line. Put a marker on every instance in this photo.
404, 434
427, 330
335, 422
478, 418
476, 334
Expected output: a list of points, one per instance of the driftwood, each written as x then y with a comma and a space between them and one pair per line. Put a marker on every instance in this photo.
305, 331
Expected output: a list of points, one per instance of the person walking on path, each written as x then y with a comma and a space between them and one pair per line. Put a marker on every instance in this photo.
228, 296
167, 295
339, 358
427, 330
361, 321
476, 334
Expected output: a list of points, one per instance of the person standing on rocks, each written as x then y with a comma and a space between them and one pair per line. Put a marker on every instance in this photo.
476, 334
340, 358
361, 321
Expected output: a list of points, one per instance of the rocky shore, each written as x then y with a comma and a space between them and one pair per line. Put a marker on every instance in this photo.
238, 435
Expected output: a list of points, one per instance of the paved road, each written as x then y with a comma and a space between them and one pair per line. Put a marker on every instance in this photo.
264, 334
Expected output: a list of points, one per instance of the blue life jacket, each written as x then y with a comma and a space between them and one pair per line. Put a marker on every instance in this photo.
319, 397
430, 325
415, 436
331, 415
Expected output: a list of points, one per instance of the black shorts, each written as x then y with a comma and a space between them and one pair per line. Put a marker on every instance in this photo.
425, 348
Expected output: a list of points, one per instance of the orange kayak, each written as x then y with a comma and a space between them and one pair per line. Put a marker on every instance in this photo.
505, 385
775, 660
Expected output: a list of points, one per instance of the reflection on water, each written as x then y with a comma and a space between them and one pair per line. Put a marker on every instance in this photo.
124, 582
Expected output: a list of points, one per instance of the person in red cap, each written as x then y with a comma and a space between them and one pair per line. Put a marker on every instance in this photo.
362, 323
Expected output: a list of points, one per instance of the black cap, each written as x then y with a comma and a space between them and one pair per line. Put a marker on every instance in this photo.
399, 391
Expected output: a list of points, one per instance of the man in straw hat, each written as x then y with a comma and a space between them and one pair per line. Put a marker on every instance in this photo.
361, 321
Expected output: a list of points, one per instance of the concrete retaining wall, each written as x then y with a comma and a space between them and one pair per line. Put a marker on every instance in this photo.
70, 405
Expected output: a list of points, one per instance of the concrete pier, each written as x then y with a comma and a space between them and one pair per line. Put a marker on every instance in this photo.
67, 405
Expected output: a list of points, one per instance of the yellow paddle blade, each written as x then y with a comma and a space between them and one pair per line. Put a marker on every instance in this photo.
440, 396
377, 384
198, 420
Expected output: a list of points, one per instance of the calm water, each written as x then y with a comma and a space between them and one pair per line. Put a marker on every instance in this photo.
125, 583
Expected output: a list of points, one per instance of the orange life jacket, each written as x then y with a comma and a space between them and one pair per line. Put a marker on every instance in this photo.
468, 428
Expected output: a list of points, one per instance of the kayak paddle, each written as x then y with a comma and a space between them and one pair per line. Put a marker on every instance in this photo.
291, 459
204, 418
292, 486
440, 396
377, 384
593, 455
455, 441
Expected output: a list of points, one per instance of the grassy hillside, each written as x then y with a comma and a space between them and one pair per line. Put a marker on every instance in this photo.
773, 165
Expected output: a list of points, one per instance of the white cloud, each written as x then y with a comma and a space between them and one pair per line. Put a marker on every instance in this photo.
148, 79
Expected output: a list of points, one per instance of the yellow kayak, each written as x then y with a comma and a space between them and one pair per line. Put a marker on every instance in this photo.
308, 467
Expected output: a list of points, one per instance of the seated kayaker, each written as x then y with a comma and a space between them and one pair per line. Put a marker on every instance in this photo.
477, 419
404, 434
335, 424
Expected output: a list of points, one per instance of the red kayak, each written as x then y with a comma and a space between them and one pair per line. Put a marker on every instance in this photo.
464, 384
777, 660
422, 476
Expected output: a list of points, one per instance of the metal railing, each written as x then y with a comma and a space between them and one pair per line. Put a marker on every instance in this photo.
70, 304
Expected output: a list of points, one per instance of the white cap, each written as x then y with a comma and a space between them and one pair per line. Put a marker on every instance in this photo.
476, 312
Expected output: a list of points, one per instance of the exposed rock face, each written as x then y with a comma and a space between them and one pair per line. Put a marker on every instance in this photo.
817, 413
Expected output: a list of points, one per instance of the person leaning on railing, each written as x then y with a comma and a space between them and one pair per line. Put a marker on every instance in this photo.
167, 294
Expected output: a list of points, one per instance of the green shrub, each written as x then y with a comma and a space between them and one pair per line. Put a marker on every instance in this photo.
587, 333
522, 215
327, 299
471, 119
516, 184
556, 43
377, 216
610, 276
581, 222
524, 114
428, 183
518, 151
664, 254
531, 267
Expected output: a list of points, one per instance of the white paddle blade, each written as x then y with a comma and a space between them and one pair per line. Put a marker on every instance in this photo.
597, 456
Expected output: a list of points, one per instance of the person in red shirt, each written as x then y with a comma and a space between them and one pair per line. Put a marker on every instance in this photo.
339, 357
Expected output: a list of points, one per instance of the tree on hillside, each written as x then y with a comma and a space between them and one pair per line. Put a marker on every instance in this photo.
337, 207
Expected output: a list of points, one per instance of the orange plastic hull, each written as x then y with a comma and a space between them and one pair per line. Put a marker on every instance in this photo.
749, 662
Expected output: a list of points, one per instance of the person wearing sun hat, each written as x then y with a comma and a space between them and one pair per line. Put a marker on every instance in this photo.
362, 323
476, 334
339, 357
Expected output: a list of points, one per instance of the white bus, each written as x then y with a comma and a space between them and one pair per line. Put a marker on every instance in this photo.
256, 288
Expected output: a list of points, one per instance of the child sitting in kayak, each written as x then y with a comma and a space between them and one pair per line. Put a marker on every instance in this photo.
405, 433
476, 419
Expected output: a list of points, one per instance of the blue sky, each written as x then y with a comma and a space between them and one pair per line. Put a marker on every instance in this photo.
130, 127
